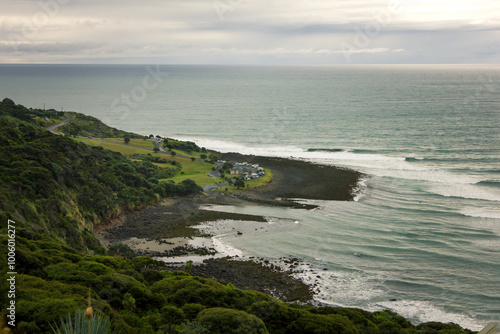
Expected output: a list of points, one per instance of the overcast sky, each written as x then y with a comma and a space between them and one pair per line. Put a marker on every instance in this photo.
250, 31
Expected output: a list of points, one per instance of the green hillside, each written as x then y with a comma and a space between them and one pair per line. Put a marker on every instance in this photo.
84, 125
60, 187
53, 190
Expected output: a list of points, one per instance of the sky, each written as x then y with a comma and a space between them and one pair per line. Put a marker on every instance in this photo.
302, 32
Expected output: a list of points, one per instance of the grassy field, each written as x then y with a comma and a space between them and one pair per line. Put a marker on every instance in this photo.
123, 149
133, 141
200, 179
194, 170
261, 181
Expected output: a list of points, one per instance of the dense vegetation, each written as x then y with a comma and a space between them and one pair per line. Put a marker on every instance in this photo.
54, 279
62, 187
84, 125
187, 146
56, 189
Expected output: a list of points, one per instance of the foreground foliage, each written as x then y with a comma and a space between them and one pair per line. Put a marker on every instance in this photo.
56, 189
79, 324
139, 297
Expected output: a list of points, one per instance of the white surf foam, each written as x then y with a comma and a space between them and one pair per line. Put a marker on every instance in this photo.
443, 182
228, 146
225, 249
340, 288
376, 164
354, 289
467, 191
480, 213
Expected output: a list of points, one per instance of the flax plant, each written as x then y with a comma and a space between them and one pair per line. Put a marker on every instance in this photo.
86, 322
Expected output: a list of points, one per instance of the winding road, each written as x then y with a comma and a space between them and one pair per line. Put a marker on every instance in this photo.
52, 127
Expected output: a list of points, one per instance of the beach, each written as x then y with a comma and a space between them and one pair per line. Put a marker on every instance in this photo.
176, 229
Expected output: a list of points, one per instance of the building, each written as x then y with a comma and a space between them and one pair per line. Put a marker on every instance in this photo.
237, 171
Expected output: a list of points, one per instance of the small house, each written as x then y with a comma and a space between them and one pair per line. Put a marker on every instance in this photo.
237, 171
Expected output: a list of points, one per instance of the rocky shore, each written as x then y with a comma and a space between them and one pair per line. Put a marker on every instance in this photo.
301, 179
168, 229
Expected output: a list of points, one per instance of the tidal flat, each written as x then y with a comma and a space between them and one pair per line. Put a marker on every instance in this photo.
185, 228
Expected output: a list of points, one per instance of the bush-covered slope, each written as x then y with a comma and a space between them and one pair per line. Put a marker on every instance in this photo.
84, 125
55, 189
53, 184
54, 280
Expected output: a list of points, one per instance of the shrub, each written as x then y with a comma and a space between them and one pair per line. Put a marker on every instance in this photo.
437, 327
227, 321
84, 273
275, 314
139, 325
121, 250
363, 320
45, 311
115, 286
315, 323
191, 311
172, 315
152, 276
180, 289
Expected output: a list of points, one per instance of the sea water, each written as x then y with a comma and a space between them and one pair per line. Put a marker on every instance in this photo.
422, 237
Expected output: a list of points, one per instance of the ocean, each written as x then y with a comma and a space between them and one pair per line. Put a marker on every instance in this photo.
422, 237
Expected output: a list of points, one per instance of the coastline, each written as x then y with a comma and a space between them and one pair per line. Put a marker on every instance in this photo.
301, 179
169, 230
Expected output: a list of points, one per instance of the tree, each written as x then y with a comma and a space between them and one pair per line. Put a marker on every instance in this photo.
128, 302
173, 153
151, 136
193, 158
188, 266
239, 183
126, 140
121, 250
227, 166
172, 315
156, 149
227, 321
190, 186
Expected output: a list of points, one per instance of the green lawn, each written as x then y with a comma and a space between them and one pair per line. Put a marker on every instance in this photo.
192, 153
263, 180
123, 149
200, 179
133, 141
194, 170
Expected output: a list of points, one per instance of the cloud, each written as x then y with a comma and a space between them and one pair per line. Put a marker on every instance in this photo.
49, 48
255, 31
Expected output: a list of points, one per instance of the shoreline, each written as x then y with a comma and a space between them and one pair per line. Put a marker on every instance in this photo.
301, 179
169, 231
